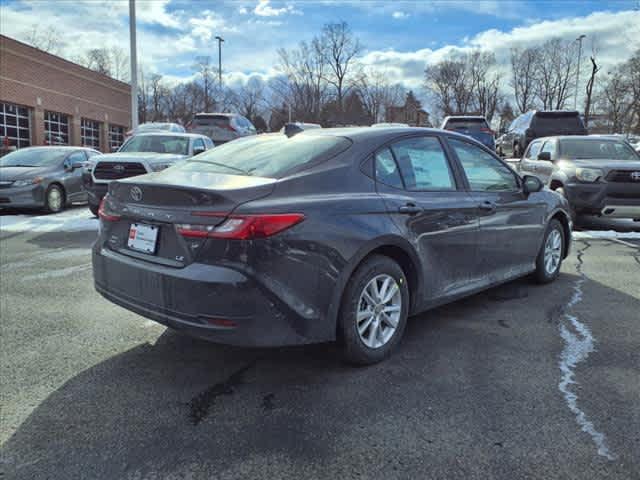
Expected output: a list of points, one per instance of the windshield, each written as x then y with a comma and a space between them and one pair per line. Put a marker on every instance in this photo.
147, 127
558, 123
32, 158
467, 124
596, 149
267, 155
157, 144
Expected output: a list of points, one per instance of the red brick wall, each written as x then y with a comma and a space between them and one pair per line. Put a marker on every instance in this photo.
42, 81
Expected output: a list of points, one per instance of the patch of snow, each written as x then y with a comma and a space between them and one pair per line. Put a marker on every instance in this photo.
604, 234
577, 347
74, 220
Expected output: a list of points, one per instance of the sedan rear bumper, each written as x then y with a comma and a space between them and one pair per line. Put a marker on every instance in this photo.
216, 303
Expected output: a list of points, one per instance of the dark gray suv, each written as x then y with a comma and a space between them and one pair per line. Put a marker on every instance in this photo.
328, 234
43, 177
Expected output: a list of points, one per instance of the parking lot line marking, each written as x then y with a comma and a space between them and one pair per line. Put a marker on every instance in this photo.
577, 347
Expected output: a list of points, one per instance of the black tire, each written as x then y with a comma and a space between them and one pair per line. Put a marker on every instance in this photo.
542, 274
94, 209
54, 199
516, 150
354, 349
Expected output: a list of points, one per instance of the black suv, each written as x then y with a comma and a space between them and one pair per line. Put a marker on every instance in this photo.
536, 124
597, 175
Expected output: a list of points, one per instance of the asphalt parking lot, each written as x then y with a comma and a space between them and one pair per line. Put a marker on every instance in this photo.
521, 381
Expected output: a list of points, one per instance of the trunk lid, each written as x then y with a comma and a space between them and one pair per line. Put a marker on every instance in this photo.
168, 198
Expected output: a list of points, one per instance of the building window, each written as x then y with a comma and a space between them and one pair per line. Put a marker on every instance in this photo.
56, 128
15, 125
90, 133
116, 137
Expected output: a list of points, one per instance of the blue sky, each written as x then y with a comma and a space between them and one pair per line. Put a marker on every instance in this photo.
400, 37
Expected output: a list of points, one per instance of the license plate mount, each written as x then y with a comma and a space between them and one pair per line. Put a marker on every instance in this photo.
143, 238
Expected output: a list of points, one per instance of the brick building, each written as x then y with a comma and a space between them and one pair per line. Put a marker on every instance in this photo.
410, 113
46, 100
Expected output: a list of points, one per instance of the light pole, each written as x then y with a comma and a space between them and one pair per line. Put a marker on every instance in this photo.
134, 64
220, 40
579, 40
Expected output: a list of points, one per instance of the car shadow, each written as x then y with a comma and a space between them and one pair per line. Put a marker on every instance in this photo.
184, 408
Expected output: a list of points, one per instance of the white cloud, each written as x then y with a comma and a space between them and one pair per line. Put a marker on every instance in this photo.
398, 14
264, 9
614, 36
243, 10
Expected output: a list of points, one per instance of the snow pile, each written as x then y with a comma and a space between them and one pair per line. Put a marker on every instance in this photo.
604, 234
75, 220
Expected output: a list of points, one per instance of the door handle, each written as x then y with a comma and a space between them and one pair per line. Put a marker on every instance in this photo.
410, 209
487, 206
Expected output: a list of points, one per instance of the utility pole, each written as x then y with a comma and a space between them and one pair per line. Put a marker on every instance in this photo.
134, 63
579, 40
220, 40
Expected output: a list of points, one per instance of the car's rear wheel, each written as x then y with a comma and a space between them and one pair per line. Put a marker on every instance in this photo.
550, 256
54, 199
374, 311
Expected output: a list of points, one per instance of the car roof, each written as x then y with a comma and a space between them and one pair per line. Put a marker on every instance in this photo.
580, 137
465, 117
363, 134
217, 114
167, 133
59, 147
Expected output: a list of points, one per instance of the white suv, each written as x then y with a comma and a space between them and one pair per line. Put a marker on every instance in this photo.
221, 127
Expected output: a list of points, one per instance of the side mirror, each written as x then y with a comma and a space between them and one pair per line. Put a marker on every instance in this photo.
531, 184
198, 150
544, 156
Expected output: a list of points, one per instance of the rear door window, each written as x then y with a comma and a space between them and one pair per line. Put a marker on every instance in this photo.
423, 164
387, 170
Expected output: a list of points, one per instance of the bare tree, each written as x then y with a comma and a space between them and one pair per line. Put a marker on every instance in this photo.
49, 39
555, 70
377, 93
119, 64
301, 85
206, 71
99, 60
249, 99
589, 90
484, 83
339, 49
523, 79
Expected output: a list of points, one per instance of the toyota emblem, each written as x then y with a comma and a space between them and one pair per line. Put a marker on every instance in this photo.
118, 168
136, 193
635, 176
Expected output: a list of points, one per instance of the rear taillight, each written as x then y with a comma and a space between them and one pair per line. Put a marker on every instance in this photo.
230, 128
104, 213
243, 227
487, 130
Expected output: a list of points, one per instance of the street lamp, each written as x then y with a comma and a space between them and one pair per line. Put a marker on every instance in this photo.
579, 40
134, 64
220, 40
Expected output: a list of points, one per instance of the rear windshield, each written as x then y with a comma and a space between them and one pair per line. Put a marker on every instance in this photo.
267, 155
558, 123
157, 144
212, 120
596, 149
467, 123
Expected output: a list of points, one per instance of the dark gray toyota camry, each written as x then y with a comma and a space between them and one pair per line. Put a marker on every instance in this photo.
333, 234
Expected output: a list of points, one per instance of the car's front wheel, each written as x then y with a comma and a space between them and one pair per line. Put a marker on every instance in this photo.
374, 311
551, 253
54, 199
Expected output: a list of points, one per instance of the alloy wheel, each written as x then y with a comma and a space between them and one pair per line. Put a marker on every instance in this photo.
552, 252
379, 310
54, 199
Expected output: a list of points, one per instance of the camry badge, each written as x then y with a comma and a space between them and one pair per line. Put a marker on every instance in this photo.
136, 193
635, 176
